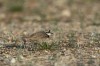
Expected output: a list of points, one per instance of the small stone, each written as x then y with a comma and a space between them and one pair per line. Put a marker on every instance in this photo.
13, 60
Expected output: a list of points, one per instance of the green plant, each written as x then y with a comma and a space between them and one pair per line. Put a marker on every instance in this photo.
72, 41
15, 6
47, 46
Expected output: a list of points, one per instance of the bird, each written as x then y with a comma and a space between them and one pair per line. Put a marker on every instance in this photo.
39, 36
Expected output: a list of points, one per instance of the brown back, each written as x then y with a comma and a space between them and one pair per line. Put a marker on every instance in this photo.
40, 34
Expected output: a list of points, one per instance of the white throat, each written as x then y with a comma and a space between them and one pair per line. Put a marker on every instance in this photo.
48, 34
